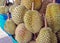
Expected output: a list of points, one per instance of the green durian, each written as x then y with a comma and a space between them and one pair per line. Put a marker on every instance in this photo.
53, 16
33, 21
3, 9
10, 26
28, 3
46, 36
18, 14
22, 35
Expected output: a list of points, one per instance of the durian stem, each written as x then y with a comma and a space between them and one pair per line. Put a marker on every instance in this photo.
45, 20
32, 6
53, 1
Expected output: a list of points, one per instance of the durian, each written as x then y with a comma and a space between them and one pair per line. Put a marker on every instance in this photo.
3, 9
28, 3
22, 35
10, 26
46, 35
53, 16
33, 21
18, 14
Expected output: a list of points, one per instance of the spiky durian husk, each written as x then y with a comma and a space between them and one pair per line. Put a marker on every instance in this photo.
46, 36
10, 26
3, 9
22, 35
53, 16
2, 2
28, 3
33, 21
18, 14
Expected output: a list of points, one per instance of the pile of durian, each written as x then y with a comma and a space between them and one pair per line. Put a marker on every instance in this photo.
34, 22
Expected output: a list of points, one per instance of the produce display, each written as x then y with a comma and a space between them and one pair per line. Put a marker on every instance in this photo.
33, 21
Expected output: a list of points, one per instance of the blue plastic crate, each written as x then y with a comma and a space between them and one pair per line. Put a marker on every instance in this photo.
3, 18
